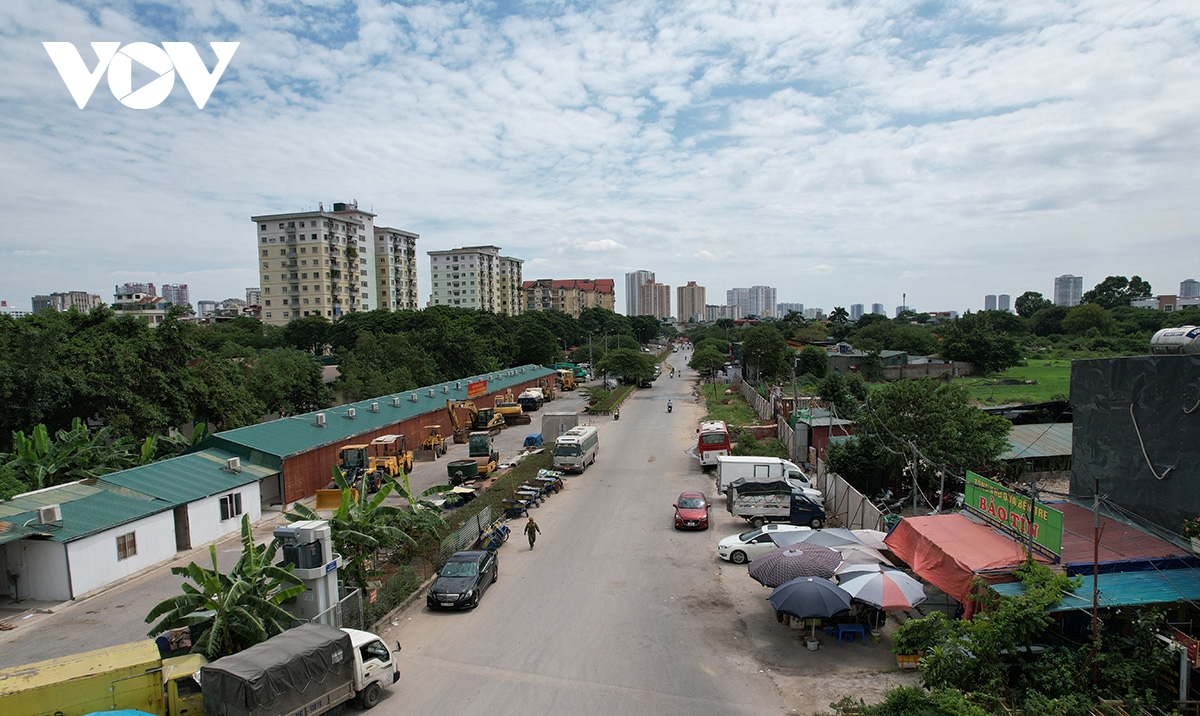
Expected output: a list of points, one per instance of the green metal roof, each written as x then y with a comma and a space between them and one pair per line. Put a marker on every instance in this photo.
1038, 440
187, 478
86, 510
1123, 589
268, 443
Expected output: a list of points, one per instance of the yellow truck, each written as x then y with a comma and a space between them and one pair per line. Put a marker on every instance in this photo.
311, 669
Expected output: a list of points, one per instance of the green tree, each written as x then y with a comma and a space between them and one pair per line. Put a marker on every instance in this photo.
537, 344
765, 350
1048, 321
1117, 291
839, 315
286, 379
645, 328
1086, 316
1031, 302
814, 361
310, 334
707, 361
631, 364
231, 612
972, 338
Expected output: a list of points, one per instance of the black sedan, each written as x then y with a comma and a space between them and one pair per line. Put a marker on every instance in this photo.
463, 580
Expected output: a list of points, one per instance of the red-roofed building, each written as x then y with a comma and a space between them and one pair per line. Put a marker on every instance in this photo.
570, 295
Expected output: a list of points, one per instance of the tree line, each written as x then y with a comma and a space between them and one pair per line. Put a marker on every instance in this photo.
89, 393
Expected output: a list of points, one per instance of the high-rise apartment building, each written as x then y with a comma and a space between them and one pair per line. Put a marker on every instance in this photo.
1189, 288
569, 296
146, 306
129, 288
714, 313
989, 302
902, 309
176, 294
1068, 290
739, 297
814, 313
396, 269
253, 296
316, 263
62, 301
634, 280
856, 311
754, 301
1004, 303
782, 309
878, 309
690, 302
476, 277
205, 308
654, 299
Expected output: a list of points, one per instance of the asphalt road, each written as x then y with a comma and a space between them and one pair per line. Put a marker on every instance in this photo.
613, 611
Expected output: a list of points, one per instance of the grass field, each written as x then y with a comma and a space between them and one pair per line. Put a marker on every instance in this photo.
1036, 382
730, 408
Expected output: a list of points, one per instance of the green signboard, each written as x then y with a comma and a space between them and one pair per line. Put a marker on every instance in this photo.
1003, 507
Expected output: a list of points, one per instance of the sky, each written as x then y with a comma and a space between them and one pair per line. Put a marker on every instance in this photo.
842, 151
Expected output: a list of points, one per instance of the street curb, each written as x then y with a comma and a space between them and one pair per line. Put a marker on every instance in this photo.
395, 612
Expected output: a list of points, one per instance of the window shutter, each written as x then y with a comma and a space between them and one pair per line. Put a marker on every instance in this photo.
224, 508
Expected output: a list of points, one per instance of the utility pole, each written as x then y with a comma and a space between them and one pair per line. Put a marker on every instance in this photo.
1095, 579
914, 477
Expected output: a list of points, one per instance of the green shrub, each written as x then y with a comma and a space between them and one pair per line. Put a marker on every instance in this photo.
390, 595
918, 636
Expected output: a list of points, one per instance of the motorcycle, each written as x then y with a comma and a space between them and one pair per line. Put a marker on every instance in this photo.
616, 415
668, 407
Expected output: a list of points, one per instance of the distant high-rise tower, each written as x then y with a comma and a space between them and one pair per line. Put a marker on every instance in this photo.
1005, 303
989, 302
782, 309
1189, 288
176, 294
476, 277
1068, 290
634, 280
654, 299
878, 308
856, 311
690, 302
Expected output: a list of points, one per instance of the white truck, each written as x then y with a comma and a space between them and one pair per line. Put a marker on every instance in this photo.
764, 469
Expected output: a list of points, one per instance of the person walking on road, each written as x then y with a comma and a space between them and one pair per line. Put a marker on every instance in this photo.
531, 531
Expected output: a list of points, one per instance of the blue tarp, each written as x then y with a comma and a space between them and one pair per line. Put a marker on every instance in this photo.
1123, 589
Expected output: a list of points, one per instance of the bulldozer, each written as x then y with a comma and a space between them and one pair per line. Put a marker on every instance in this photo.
481, 419
566, 380
434, 445
479, 449
391, 455
355, 461
512, 411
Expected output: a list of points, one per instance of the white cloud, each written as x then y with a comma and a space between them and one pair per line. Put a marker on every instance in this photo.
983, 150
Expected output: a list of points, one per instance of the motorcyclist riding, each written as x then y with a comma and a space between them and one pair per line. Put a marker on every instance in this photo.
668, 406
616, 413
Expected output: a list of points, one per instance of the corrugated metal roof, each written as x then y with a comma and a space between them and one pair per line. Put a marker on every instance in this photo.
184, 479
298, 433
86, 509
1124, 589
1039, 440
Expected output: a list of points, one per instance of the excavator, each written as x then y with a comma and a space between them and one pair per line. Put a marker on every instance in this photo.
512, 411
481, 419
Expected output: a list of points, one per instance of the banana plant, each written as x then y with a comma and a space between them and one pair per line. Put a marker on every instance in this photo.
227, 613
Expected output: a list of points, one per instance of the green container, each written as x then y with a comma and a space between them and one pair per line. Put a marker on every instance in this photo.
462, 469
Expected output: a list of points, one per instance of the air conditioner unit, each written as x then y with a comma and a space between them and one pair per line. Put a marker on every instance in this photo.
350, 413
458, 385
374, 407
413, 397
445, 389
396, 401
320, 420
233, 464
48, 514
431, 392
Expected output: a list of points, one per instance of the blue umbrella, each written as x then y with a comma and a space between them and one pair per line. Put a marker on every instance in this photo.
810, 598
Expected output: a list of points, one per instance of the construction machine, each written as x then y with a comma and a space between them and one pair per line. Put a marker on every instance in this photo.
479, 449
511, 410
390, 455
481, 419
434, 445
566, 380
355, 461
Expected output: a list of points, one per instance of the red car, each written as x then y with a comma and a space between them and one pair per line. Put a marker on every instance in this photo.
691, 511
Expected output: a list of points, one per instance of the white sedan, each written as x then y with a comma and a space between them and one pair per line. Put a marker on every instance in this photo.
745, 547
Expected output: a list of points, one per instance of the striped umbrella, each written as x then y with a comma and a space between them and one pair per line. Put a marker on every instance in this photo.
848, 568
871, 538
787, 563
886, 590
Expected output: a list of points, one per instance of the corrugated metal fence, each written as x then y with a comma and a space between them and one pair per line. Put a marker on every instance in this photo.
465, 536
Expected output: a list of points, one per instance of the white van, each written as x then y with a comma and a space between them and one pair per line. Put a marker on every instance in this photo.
764, 469
576, 448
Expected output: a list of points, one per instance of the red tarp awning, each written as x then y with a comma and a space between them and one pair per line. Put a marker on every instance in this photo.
947, 550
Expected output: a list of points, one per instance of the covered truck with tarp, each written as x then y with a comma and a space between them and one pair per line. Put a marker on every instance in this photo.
309, 670
772, 501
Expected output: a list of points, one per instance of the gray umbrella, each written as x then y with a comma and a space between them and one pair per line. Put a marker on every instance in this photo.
832, 537
810, 598
787, 563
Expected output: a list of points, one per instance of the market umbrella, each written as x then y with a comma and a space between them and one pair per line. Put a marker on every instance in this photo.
810, 598
787, 563
887, 590
826, 538
857, 554
847, 568
871, 538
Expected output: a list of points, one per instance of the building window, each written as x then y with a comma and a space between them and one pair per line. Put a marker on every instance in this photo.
283, 252
126, 545
231, 506
268, 302
281, 224
262, 227
301, 224
268, 314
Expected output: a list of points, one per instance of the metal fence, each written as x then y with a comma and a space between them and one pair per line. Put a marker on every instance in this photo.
466, 535
348, 612
760, 405
851, 507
